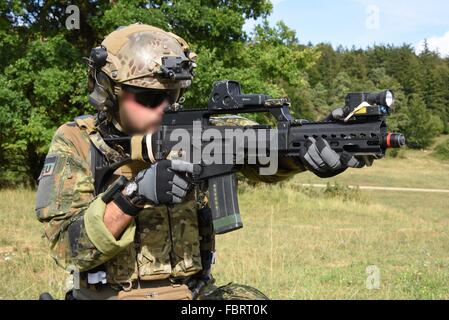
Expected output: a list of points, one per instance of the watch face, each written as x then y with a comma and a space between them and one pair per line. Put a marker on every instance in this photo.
130, 189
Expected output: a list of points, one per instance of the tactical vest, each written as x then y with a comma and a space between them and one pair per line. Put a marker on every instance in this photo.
167, 241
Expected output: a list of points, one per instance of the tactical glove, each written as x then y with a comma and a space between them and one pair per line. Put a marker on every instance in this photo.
165, 182
318, 157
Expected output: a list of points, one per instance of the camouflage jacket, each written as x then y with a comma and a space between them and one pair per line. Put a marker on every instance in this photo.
158, 245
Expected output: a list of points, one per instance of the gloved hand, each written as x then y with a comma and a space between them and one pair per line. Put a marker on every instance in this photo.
318, 157
165, 182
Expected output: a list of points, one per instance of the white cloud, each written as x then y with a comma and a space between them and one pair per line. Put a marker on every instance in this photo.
436, 43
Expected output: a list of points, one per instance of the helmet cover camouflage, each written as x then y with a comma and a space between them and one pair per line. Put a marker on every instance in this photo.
135, 56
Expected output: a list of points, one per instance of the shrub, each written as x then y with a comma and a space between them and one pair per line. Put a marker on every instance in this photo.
442, 151
343, 192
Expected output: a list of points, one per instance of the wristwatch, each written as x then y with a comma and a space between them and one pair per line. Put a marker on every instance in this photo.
125, 195
129, 200
131, 191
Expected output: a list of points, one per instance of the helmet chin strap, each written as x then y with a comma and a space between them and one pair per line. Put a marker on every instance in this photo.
117, 125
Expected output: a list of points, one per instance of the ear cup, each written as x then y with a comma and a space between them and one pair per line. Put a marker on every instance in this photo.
102, 97
101, 88
98, 57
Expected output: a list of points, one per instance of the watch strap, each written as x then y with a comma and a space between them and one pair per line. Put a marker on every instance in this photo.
125, 205
115, 188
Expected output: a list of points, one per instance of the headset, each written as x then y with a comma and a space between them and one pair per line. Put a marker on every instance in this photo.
101, 88
103, 93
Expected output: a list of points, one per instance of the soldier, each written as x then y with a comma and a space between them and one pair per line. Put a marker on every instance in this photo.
132, 246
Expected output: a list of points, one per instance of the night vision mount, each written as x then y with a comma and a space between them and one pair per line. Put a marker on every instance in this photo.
177, 68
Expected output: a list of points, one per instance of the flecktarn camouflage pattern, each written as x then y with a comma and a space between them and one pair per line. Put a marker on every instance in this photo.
161, 244
168, 242
73, 221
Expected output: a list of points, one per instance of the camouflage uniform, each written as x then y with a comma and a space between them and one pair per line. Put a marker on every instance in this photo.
161, 245
168, 244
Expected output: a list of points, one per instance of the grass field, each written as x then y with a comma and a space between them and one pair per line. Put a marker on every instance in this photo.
297, 243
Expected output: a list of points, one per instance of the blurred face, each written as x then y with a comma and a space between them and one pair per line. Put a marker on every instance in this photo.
141, 113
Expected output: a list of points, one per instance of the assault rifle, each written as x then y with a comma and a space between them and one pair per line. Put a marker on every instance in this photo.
187, 133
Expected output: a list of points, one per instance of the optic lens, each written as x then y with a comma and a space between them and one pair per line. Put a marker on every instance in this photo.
389, 98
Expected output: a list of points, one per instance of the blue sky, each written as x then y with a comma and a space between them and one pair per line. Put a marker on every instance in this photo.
365, 22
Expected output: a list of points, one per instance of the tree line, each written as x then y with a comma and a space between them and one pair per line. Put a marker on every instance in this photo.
43, 77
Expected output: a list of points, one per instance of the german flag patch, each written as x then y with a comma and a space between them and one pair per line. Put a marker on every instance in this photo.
49, 166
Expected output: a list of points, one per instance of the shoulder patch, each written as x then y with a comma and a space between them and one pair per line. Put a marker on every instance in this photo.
45, 189
49, 166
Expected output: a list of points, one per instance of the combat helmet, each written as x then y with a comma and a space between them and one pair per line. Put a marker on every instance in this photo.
141, 57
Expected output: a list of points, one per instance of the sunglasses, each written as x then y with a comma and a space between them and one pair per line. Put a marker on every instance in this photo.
152, 98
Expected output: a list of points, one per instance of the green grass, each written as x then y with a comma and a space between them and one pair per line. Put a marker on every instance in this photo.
414, 169
442, 150
297, 243
300, 244
26, 269
317, 248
